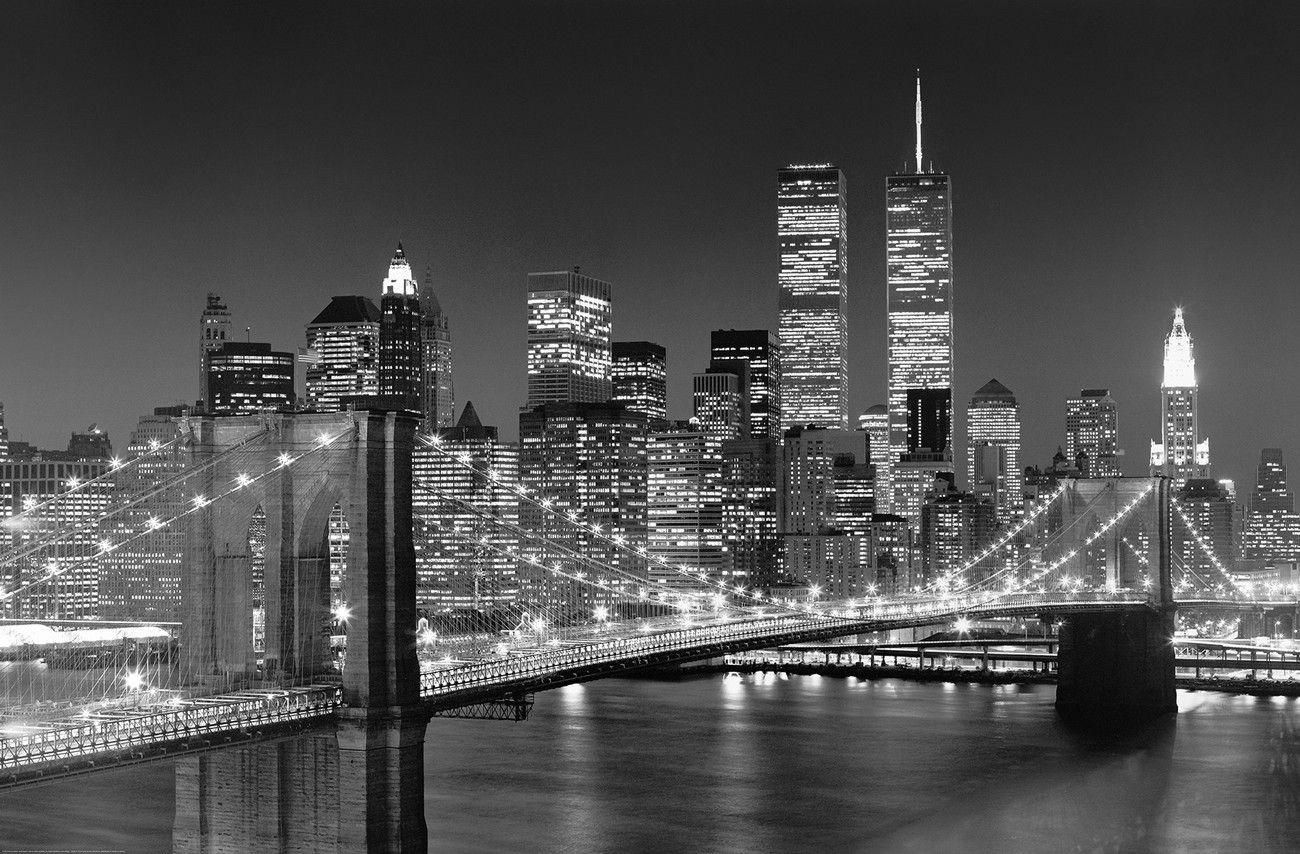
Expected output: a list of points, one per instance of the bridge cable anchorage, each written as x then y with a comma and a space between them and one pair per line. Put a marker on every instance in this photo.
58, 534
1203, 543
696, 575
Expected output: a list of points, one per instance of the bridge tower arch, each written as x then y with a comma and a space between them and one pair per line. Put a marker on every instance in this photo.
361, 462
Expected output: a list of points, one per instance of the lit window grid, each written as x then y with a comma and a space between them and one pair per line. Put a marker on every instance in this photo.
450, 569
347, 363
1092, 426
684, 506
807, 477
997, 422
718, 405
842, 566
74, 594
1178, 420
642, 385
813, 277
569, 339
597, 468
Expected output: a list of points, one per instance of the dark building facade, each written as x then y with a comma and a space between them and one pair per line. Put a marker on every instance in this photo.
640, 377
401, 361
760, 351
245, 377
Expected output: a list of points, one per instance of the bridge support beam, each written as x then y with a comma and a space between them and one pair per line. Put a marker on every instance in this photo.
1116, 667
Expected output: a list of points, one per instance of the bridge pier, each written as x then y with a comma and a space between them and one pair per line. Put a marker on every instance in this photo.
1116, 667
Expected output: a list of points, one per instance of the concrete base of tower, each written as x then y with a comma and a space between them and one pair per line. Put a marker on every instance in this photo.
381, 780
1116, 669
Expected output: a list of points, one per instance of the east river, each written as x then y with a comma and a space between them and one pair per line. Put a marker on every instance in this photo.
804, 763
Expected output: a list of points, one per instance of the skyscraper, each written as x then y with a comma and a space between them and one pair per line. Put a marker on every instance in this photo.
750, 474
760, 351
244, 378
826, 536
401, 362
1272, 528
343, 352
439, 405
812, 223
469, 571
214, 330
926, 462
588, 459
1092, 428
4, 435
919, 267
721, 405
929, 419
993, 453
569, 349
141, 579
640, 377
1207, 504
875, 423
808, 477
1181, 454
684, 510
82, 499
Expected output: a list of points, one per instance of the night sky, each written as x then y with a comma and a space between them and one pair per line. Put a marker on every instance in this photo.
1108, 163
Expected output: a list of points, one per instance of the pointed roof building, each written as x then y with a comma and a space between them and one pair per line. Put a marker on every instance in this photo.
469, 428
993, 388
353, 309
1180, 361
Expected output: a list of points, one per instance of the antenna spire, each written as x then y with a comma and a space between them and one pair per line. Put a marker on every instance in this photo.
918, 120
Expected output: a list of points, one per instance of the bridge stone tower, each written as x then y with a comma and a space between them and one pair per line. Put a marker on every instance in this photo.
365, 468
1118, 666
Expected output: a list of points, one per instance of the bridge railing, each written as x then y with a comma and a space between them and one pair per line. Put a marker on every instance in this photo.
23, 745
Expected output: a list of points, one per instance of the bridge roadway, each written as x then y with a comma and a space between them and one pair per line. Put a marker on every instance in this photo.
37, 750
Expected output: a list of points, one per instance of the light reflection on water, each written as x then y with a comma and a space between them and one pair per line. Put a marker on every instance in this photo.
761, 763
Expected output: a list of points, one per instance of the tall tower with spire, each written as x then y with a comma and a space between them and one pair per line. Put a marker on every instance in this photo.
401, 363
1181, 453
919, 270
435, 341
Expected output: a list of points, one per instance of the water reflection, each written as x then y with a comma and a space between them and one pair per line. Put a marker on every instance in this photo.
720, 764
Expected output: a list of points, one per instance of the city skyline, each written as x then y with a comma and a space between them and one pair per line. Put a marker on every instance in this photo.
1130, 271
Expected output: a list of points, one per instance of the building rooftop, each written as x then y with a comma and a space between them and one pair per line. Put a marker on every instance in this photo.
353, 309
